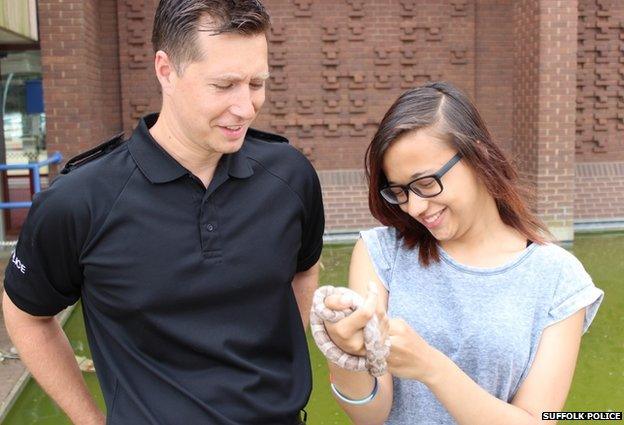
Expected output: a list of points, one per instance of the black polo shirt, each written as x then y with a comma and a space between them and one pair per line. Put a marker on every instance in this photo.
187, 295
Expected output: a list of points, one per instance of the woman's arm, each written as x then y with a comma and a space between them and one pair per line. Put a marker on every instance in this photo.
545, 388
348, 334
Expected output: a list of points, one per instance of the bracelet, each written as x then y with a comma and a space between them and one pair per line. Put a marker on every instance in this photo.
359, 402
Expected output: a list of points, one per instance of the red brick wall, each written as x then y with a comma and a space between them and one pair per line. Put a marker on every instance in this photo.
599, 193
526, 23
80, 72
345, 194
337, 66
494, 62
544, 105
600, 81
140, 88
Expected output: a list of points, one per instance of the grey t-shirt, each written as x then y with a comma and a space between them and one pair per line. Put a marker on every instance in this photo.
487, 320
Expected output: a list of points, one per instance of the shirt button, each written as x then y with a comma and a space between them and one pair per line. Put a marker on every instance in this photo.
210, 227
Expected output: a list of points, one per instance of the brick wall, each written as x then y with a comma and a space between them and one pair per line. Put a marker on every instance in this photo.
79, 56
494, 62
337, 66
140, 88
544, 106
345, 195
600, 81
599, 193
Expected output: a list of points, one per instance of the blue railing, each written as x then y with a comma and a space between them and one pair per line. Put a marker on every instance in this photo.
34, 170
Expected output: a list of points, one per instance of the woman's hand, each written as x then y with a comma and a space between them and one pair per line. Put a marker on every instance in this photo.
410, 355
348, 333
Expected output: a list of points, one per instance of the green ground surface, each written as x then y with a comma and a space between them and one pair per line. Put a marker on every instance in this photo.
598, 383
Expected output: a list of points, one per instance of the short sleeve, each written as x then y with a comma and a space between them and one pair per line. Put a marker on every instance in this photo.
381, 243
314, 223
575, 290
43, 275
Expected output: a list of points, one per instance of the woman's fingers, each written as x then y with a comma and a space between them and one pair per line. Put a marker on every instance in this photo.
337, 302
347, 333
384, 325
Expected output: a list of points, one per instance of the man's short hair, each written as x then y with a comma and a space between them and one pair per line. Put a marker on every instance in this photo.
177, 23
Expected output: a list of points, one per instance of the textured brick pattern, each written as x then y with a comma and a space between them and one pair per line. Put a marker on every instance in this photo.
547, 76
599, 191
494, 62
337, 66
345, 195
600, 81
545, 105
140, 88
526, 22
80, 72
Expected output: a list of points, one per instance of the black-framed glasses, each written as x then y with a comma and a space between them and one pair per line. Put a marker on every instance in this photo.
425, 186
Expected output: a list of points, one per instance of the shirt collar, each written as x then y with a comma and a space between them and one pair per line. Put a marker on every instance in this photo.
159, 167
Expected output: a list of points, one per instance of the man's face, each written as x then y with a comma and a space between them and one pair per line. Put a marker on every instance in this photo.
215, 99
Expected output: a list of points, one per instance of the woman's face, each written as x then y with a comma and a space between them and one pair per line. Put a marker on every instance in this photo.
452, 213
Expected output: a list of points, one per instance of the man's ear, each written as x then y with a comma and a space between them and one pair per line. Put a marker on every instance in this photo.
165, 71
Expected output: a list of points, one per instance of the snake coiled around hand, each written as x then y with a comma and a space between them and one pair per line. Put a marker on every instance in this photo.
376, 350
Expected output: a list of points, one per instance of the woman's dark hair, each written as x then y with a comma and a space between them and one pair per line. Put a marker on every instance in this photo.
443, 107
177, 23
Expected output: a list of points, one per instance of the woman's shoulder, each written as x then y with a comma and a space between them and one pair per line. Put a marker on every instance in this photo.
382, 244
553, 256
380, 232
385, 238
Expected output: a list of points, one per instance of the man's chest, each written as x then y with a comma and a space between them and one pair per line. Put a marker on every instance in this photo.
182, 249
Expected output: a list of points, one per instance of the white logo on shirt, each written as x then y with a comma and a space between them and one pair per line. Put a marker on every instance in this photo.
18, 263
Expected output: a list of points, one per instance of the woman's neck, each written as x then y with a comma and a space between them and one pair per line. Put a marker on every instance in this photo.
488, 242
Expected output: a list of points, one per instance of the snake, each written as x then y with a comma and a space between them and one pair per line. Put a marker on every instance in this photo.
376, 350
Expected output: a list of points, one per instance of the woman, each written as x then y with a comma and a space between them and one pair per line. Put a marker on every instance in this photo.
487, 315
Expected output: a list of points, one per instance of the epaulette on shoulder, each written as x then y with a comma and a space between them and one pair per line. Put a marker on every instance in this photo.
265, 137
94, 153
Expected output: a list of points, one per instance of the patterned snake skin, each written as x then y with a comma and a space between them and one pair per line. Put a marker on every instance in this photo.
376, 350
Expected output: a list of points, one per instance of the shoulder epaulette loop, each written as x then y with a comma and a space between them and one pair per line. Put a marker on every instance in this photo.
265, 137
92, 154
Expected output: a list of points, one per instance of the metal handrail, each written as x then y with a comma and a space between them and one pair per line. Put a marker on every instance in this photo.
33, 170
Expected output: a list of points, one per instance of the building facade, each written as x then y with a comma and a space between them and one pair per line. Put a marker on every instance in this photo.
547, 75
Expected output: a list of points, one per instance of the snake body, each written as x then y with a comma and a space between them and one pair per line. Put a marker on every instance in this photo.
376, 350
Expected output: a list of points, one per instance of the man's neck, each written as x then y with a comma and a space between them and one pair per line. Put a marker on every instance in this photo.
193, 156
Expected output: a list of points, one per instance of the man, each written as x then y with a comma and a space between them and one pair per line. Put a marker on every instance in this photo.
182, 243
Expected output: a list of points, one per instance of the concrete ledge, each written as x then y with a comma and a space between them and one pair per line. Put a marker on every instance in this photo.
564, 234
341, 236
599, 225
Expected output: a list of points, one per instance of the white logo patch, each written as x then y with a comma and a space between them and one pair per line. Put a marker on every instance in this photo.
18, 263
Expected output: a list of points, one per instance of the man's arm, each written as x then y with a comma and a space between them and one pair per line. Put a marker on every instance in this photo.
46, 352
304, 284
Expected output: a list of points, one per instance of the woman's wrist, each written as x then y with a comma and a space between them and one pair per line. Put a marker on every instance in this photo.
355, 385
436, 368
340, 395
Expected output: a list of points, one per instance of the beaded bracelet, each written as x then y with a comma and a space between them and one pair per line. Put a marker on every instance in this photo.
359, 402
